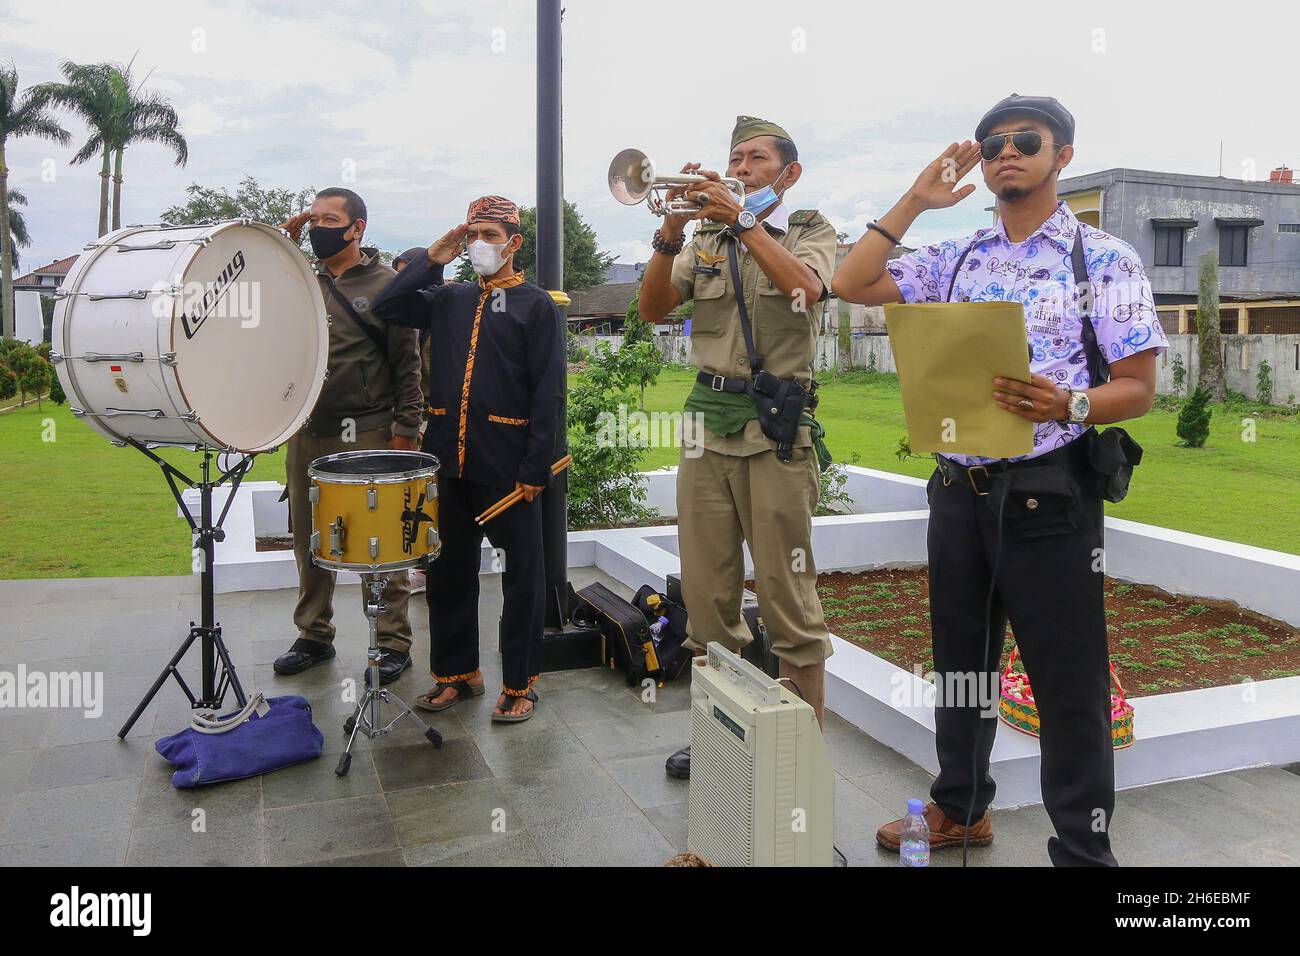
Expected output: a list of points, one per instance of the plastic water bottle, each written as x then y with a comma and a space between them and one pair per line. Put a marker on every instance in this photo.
914, 845
657, 630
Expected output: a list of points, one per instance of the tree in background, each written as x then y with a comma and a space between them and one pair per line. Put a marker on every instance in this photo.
18, 234
88, 92
1264, 383
584, 264
57, 395
140, 117
120, 114
1209, 339
249, 201
606, 488
1194, 419
1179, 374
29, 370
19, 116
643, 359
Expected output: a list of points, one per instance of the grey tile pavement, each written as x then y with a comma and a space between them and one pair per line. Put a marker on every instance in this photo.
580, 784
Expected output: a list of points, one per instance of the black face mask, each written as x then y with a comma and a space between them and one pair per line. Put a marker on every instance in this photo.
328, 242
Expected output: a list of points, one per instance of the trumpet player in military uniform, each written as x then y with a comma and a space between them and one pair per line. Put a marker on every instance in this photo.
736, 482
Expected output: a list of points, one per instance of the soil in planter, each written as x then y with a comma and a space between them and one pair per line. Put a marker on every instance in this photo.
1159, 642
274, 543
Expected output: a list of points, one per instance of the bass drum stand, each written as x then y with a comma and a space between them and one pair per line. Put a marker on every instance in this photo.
367, 718
218, 672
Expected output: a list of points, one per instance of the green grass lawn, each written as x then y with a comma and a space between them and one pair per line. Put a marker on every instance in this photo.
79, 507
1241, 491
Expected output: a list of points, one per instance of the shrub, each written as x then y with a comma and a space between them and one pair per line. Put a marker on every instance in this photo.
1179, 374
1264, 383
605, 484
1194, 419
833, 499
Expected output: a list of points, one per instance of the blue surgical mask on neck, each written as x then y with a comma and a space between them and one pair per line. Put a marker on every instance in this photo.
760, 199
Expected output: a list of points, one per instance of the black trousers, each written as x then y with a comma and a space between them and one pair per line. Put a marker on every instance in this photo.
451, 584
1049, 584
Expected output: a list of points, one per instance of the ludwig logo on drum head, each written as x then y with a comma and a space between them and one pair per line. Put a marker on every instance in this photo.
194, 317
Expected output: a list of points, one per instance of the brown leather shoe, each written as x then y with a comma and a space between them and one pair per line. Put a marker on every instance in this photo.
944, 830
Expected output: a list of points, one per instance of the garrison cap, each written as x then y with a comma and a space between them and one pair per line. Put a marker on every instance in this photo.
1046, 109
747, 127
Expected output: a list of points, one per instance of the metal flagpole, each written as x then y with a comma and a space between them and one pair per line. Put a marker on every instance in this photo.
564, 644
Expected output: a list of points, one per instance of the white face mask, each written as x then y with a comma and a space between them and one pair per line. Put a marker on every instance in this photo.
487, 258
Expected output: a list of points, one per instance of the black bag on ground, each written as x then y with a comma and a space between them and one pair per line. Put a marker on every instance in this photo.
670, 650
758, 651
628, 645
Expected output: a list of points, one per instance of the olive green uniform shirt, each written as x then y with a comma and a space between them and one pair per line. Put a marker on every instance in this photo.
786, 339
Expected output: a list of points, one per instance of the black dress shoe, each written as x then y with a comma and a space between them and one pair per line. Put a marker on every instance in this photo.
679, 764
391, 665
302, 655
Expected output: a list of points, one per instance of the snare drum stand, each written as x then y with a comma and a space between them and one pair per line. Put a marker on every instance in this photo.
218, 672
367, 719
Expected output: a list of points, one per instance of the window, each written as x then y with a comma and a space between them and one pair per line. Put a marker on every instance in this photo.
1288, 227
1232, 245
1169, 245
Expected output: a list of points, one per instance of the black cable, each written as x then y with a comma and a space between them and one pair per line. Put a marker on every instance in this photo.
988, 640
794, 685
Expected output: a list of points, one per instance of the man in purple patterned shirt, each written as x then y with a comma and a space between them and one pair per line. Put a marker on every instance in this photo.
1020, 539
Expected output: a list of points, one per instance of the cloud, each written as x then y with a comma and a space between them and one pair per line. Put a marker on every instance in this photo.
423, 105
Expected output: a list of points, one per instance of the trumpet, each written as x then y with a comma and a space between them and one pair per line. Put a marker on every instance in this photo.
632, 179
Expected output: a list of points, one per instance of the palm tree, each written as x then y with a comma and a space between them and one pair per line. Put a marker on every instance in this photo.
140, 118
18, 117
18, 235
88, 92
119, 114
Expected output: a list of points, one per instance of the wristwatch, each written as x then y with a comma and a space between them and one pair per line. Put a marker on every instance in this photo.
1077, 407
745, 220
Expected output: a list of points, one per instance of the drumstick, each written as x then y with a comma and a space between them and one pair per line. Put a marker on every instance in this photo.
518, 493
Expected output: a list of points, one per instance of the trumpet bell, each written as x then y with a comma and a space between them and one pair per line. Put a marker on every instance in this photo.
631, 176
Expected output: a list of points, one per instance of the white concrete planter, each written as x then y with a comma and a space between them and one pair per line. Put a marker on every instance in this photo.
1181, 735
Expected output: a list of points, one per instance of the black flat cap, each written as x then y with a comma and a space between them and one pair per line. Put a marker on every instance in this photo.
1044, 108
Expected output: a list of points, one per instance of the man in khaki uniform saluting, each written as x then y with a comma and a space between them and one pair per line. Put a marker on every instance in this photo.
734, 485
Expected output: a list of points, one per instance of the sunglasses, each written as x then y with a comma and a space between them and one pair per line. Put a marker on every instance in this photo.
1027, 143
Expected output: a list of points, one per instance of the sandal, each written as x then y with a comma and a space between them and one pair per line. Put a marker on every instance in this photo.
508, 718
463, 688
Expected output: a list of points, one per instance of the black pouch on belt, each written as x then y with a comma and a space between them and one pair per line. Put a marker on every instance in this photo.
1040, 501
1112, 456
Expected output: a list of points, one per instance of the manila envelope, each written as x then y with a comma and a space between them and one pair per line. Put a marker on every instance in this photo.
947, 355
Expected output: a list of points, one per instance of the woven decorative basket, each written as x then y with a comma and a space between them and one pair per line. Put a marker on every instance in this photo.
1017, 709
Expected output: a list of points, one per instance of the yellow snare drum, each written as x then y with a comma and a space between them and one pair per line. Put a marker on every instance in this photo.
374, 511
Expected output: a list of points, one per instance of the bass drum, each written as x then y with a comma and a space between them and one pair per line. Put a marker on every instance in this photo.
199, 336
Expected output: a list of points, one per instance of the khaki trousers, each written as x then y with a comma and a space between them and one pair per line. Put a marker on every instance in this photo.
724, 501
315, 610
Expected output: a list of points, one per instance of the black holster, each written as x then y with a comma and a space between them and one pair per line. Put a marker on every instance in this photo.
780, 404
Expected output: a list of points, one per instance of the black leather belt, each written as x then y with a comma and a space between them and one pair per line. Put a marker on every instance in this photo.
720, 383
979, 478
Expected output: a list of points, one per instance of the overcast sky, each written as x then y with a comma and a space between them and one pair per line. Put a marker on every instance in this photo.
432, 103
